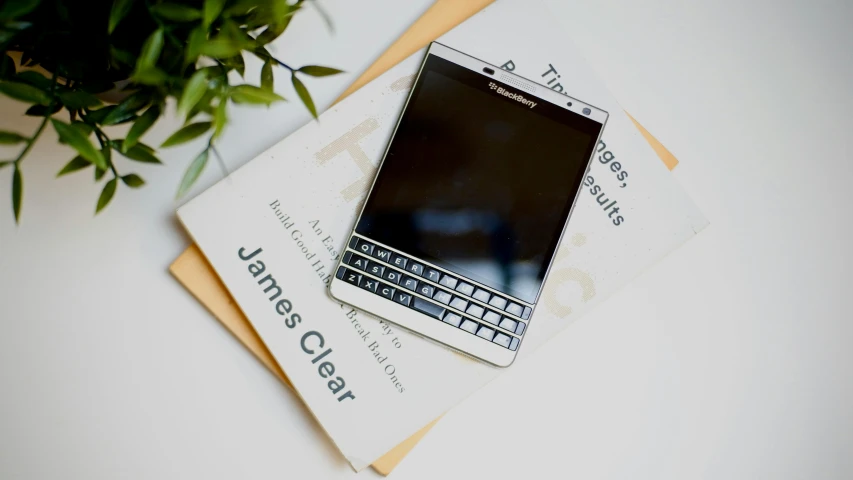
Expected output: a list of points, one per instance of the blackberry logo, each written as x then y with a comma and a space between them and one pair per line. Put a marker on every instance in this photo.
512, 96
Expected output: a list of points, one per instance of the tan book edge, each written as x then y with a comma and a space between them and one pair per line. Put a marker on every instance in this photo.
193, 271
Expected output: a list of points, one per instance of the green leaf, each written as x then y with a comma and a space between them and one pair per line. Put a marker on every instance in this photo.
220, 47
176, 12
140, 154
242, 7
196, 39
122, 56
220, 117
187, 133
152, 76
212, 9
98, 116
118, 145
133, 180
193, 91
192, 173
41, 110
78, 141
11, 138
4, 163
25, 93
273, 30
267, 79
17, 192
252, 94
35, 79
84, 128
17, 8
140, 126
150, 51
202, 106
236, 62
76, 163
75, 100
127, 108
7, 66
99, 173
304, 95
118, 12
108, 154
318, 71
106, 195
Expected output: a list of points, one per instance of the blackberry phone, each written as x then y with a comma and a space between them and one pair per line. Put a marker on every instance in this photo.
476, 187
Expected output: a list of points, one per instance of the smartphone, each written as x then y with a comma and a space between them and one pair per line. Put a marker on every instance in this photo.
475, 189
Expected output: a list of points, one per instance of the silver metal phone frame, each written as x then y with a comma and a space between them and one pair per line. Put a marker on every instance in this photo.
560, 99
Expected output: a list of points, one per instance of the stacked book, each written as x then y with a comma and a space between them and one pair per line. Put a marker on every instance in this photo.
274, 230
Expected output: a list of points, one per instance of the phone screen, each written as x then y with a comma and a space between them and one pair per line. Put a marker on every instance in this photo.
479, 178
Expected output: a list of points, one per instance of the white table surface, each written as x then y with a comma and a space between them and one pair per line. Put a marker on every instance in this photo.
730, 359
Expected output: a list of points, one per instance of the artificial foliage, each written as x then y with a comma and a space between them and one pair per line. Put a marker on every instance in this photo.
61, 56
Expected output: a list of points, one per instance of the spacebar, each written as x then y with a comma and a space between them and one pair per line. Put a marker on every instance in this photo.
428, 308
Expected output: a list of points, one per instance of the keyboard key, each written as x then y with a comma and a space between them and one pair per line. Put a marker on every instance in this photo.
352, 277
402, 298
375, 269
426, 289
514, 309
386, 291
347, 256
358, 262
482, 295
409, 283
508, 324
469, 326
502, 340
399, 261
459, 304
465, 289
353, 241
475, 310
432, 274
369, 284
428, 308
364, 247
382, 254
442, 297
520, 328
415, 268
486, 332
492, 317
392, 276
453, 319
448, 282
498, 302
527, 312
340, 273
513, 345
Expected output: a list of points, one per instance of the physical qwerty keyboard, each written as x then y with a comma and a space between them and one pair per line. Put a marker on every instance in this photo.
455, 300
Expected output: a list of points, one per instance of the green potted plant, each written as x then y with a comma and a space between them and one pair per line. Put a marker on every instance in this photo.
63, 56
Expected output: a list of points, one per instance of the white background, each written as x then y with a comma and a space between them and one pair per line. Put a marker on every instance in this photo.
730, 359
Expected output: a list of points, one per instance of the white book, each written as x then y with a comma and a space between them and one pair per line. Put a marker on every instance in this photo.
273, 231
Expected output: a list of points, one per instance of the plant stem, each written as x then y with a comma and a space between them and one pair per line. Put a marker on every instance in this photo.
31, 141
218, 157
282, 64
105, 143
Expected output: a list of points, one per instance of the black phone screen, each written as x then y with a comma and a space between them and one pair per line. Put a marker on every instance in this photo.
477, 181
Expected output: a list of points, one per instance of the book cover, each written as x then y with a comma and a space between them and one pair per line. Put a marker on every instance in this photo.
273, 231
